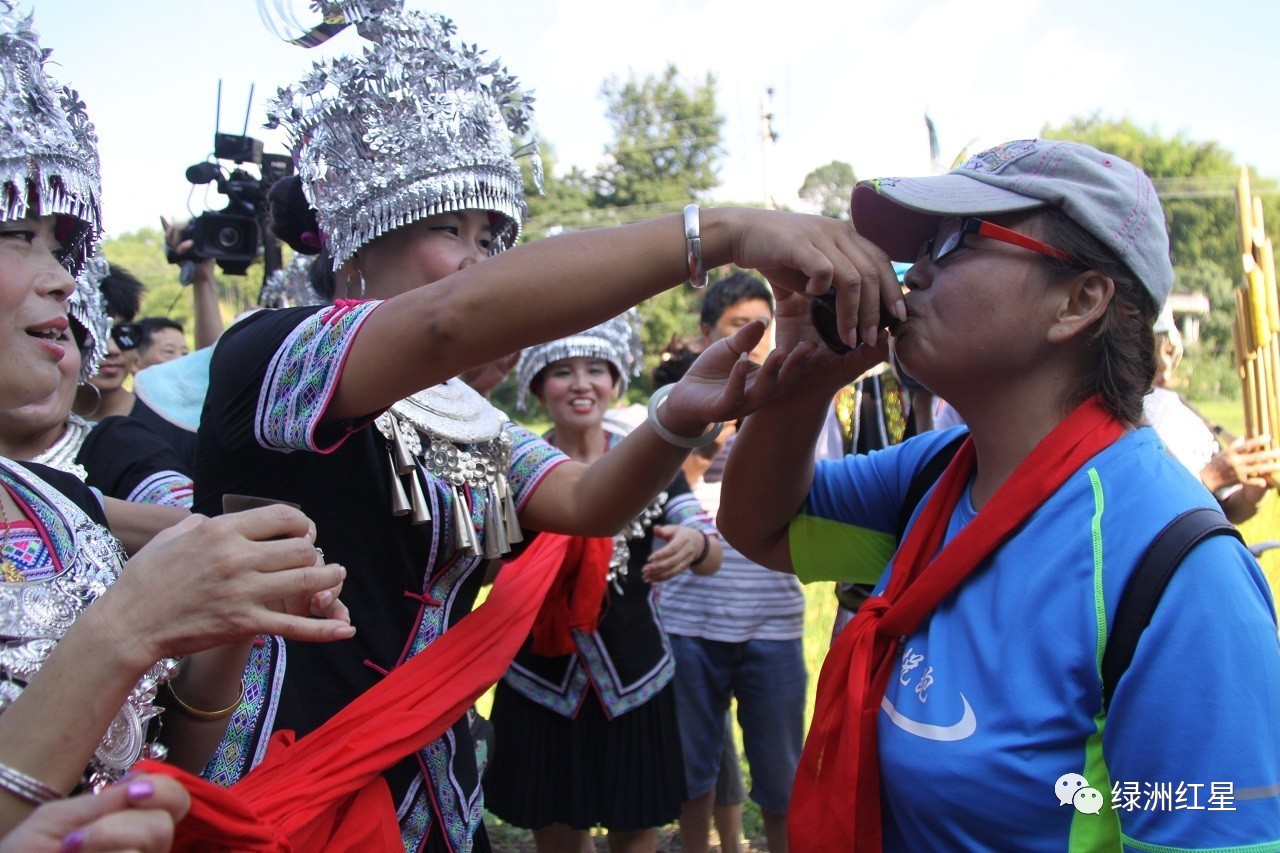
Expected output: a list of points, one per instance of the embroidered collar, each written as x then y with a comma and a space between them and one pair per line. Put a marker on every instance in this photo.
62, 454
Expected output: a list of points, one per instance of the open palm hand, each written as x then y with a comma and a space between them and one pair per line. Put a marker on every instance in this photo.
724, 384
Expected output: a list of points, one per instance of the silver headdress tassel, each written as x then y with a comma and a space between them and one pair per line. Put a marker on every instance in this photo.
48, 146
617, 341
87, 307
290, 287
413, 127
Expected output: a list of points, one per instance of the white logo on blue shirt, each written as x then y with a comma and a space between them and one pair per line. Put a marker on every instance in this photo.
967, 725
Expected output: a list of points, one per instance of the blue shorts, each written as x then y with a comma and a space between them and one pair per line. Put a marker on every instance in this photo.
768, 679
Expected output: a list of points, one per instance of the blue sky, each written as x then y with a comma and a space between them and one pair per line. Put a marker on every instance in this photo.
852, 80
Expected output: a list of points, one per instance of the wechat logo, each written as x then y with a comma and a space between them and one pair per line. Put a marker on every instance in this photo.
1073, 790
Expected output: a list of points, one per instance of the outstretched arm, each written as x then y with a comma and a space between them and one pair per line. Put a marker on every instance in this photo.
600, 498
556, 286
770, 469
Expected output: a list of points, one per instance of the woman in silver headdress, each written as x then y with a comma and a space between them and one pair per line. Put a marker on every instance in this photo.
619, 742
86, 648
405, 160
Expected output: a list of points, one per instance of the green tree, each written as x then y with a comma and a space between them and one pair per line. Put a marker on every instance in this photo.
564, 202
1210, 362
667, 141
828, 189
1196, 182
665, 152
142, 253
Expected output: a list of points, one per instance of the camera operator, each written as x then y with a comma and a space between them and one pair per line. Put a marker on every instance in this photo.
204, 290
159, 340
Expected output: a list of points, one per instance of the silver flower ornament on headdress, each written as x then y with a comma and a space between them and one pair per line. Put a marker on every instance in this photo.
88, 308
48, 146
413, 127
616, 341
290, 287
356, 11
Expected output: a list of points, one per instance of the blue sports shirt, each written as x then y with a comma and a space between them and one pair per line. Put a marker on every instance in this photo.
992, 733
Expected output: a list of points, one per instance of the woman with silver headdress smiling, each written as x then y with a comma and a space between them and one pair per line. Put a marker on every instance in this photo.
141, 481
405, 156
617, 743
88, 646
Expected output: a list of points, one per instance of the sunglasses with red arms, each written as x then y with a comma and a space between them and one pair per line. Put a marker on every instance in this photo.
951, 234
945, 242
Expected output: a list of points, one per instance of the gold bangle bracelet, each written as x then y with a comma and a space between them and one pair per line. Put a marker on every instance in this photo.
207, 716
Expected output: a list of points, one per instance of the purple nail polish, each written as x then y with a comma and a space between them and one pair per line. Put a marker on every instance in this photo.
73, 842
141, 790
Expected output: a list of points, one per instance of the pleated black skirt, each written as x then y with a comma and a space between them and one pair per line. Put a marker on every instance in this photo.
623, 774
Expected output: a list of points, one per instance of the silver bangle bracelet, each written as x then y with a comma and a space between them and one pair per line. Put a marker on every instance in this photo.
659, 397
26, 788
693, 246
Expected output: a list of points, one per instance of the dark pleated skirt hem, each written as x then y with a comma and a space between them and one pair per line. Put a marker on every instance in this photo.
435, 843
623, 774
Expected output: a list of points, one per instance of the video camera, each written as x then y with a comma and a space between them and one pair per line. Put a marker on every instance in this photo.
233, 236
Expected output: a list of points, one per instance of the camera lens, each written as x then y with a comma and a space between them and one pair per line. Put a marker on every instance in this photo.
228, 237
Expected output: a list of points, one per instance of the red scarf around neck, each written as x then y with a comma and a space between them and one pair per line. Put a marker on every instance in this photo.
835, 803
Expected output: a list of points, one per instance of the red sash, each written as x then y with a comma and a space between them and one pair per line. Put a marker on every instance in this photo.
835, 804
576, 598
325, 791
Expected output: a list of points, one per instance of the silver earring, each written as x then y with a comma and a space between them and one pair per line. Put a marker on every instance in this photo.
97, 393
360, 278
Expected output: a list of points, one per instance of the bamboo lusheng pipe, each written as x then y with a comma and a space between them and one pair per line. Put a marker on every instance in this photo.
1267, 261
1272, 362
1266, 385
1243, 195
1256, 331
1248, 388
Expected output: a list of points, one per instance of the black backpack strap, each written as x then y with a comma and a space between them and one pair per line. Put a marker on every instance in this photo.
1146, 585
924, 480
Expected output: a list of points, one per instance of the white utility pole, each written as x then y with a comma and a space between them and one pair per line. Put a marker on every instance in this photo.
768, 136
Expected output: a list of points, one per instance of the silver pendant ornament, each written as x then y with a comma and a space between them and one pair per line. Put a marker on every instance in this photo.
453, 435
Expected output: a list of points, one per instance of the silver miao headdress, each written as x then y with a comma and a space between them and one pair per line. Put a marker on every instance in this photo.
617, 341
87, 307
48, 147
413, 127
290, 287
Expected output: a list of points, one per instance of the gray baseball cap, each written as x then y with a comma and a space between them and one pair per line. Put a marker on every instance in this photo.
1109, 197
